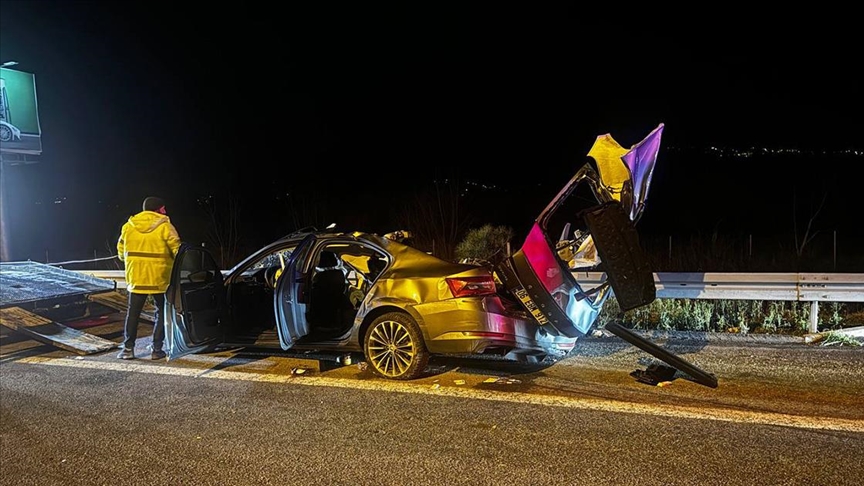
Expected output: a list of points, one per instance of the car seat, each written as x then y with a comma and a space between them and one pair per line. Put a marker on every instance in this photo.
376, 266
329, 305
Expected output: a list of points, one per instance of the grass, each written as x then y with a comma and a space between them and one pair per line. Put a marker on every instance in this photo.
835, 338
735, 316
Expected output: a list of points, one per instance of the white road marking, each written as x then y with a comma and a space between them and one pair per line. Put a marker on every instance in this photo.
725, 415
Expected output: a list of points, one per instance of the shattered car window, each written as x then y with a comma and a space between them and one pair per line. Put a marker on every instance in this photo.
575, 246
274, 259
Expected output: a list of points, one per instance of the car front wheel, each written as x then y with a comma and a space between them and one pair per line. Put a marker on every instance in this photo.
394, 347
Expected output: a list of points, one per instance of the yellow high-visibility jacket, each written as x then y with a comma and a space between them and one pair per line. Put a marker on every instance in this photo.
148, 244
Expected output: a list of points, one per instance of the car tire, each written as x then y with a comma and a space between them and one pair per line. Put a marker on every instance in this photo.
394, 347
5, 134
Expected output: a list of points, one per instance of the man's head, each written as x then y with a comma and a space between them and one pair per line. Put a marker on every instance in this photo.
155, 204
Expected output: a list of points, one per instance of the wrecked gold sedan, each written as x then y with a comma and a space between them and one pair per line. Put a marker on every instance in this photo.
359, 292
351, 292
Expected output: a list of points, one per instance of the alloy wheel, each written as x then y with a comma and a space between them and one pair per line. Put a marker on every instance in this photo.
391, 348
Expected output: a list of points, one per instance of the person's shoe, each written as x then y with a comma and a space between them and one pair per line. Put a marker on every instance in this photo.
159, 354
127, 354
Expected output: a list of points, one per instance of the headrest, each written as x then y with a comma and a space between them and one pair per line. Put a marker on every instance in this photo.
328, 259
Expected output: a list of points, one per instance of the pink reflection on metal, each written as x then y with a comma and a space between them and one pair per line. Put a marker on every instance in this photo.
499, 325
542, 260
641, 159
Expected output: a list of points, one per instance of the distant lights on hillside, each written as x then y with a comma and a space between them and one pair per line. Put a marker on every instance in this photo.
470, 184
731, 152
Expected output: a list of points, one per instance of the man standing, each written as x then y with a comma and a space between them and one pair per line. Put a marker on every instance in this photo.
148, 244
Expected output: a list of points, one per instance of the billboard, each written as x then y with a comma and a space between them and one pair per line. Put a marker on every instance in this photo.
19, 116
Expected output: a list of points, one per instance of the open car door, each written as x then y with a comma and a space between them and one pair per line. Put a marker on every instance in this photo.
195, 310
289, 296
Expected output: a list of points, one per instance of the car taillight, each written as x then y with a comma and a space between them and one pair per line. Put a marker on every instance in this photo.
471, 286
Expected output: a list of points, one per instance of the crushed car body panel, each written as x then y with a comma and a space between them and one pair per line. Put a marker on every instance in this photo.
572, 234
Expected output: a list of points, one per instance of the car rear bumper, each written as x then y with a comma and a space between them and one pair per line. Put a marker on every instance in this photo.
484, 325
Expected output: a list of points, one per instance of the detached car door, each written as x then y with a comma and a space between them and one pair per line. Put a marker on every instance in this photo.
586, 226
289, 296
195, 304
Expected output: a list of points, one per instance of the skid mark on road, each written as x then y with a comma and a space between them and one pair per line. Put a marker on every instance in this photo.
737, 416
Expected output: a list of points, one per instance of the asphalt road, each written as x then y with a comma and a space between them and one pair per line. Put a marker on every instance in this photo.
783, 413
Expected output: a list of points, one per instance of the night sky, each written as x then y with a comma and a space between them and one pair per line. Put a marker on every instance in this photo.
375, 102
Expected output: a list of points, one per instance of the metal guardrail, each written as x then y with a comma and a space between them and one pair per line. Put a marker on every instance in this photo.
801, 287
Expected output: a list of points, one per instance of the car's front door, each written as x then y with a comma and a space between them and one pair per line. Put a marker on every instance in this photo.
288, 296
571, 234
195, 307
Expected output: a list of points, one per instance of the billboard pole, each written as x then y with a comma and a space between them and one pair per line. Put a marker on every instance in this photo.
20, 135
4, 238
4, 233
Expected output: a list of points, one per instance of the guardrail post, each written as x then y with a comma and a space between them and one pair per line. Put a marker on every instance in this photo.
814, 316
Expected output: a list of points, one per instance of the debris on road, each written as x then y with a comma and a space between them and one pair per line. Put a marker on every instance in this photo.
851, 336
655, 375
502, 380
840, 339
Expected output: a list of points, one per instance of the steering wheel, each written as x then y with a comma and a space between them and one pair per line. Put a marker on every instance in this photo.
272, 274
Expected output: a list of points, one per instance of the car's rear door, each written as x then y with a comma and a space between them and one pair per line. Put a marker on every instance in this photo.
195, 305
288, 297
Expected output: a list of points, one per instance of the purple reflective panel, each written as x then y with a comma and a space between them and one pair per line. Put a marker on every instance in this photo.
641, 159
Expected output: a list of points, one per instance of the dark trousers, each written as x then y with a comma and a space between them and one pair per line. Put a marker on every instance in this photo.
133, 313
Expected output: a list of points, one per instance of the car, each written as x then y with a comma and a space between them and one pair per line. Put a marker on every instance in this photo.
357, 292
9, 132
350, 292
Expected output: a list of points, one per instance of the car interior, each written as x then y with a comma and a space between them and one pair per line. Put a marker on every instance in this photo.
340, 279
329, 309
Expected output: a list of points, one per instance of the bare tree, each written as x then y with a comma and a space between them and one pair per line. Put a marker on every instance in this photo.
223, 231
809, 232
303, 209
437, 218
112, 250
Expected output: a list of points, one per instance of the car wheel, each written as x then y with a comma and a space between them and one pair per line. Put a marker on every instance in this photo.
5, 134
394, 347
